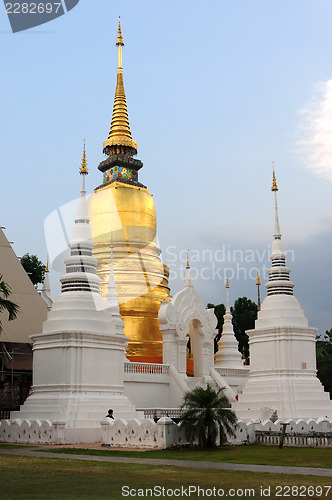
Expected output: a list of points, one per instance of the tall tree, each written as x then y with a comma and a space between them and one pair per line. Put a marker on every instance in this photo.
206, 412
244, 315
324, 360
34, 268
5, 304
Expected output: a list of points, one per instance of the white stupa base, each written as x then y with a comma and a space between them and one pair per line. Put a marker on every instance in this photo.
80, 410
291, 394
222, 360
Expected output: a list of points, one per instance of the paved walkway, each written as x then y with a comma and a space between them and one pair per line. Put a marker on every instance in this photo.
39, 453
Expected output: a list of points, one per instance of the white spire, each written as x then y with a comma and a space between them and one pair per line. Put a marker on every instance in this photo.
274, 188
227, 296
279, 282
187, 279
277, 233
228, 355
46, 290
82, 229
81, 266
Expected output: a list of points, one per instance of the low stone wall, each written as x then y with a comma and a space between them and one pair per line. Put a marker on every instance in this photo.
142, 433
31, 431
45, 432
165, 433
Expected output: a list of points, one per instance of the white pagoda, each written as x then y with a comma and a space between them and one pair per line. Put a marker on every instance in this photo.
282, 351
79, 357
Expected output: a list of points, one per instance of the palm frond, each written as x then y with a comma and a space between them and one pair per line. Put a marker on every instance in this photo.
5, 304
206, 414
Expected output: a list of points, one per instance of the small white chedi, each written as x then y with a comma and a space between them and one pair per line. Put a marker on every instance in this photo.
282, 351
228, 355
79, 358
228, 360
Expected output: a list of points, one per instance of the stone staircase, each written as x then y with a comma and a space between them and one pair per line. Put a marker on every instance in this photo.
193, 382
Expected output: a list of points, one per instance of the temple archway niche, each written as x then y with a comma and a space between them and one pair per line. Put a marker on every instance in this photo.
185, 317
195, 351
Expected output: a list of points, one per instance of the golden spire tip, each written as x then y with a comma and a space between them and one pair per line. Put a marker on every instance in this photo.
84, 169
227, 282
119, 138
188, 266
274, 182
47, 269
119, 39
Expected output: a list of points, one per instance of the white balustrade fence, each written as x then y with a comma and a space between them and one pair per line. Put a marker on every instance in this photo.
146, 368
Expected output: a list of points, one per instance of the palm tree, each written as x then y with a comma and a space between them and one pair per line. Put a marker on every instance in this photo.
206, 412
5, 304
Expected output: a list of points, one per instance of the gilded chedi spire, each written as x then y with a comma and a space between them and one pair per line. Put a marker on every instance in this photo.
119, 140
123, 216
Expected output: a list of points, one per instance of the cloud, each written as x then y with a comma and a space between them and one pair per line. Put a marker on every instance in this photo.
315, 145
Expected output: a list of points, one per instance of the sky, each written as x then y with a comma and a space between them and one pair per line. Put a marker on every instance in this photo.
216, 91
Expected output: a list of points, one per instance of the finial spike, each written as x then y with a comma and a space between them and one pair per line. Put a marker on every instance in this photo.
119, 39
47, 268
274, 182
227, 282
188, 266
258, 282
84, 169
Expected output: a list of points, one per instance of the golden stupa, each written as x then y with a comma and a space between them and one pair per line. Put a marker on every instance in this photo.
123, 217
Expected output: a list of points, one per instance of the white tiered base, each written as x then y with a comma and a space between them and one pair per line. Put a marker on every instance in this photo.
77, 410
293, 396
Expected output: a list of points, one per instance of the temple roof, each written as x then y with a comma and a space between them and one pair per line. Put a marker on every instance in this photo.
32, 309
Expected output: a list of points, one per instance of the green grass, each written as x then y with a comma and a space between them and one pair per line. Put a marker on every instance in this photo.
260, 455
52, 479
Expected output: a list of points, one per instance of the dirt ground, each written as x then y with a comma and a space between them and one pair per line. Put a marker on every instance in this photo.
85, 446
